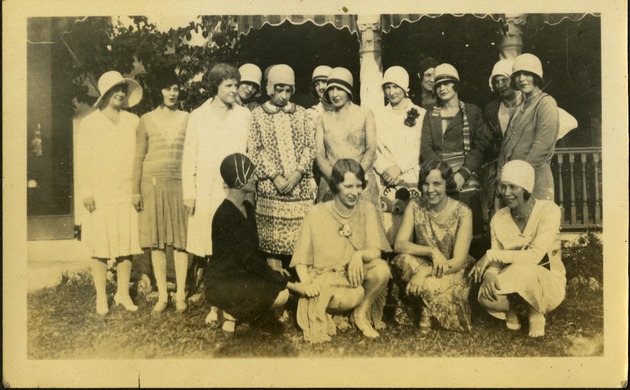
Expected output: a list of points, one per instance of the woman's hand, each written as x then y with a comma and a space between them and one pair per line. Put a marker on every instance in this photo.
490, 287
293, 180
89, 204
189, 205
479, 269
281, 183
459, 180
415, 284
137, 202
311, 290
391, 174
440, 264
355, 269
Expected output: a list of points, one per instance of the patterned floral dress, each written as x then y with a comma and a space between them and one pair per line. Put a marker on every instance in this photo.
447, 297
281, 141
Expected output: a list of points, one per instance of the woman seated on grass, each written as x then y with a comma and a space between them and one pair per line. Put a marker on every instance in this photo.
337, 258
433, 243
238, 281
523, 271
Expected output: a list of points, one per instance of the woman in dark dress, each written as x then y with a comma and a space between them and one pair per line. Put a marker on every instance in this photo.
238, 281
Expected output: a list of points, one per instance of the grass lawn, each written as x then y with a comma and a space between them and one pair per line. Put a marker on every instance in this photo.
62, 324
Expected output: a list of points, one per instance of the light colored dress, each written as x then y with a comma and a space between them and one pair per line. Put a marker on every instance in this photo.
326, 252
209, 139
282, 141
446, 297
349, 136
157, 176
532, 265
104, 166
398, 144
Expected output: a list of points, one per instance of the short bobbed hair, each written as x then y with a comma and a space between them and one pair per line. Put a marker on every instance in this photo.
218, 74
539, 82
445, 171
340, 169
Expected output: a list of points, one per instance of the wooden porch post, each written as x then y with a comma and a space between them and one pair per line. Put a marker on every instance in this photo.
371, 73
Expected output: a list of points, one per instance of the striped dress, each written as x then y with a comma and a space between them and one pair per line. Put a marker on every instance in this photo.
157, 176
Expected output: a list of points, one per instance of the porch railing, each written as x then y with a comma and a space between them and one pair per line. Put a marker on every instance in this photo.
578, 187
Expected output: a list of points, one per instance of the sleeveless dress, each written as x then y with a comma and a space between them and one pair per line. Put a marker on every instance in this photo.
445, 297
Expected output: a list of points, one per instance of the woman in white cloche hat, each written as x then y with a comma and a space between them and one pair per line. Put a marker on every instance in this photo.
533, 129
398, 129
105, 153
522, 274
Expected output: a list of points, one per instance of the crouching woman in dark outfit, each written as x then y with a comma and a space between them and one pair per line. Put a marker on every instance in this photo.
238, 280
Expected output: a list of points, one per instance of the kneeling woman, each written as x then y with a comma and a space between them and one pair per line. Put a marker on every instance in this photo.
433, 242
238, 281
523, 268
338, 258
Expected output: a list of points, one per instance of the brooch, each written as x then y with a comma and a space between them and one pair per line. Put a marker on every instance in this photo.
344, 230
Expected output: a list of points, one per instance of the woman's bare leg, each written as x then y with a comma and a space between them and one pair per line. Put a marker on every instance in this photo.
99, 274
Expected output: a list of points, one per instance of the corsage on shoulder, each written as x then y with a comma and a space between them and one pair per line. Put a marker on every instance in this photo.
412, 116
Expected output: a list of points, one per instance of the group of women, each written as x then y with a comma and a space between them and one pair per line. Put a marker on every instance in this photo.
234, 183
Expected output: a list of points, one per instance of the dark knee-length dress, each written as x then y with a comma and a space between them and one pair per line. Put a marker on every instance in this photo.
238, 279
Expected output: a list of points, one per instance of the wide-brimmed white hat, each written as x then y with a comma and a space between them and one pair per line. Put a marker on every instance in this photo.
397, 75
341, 78
111, 79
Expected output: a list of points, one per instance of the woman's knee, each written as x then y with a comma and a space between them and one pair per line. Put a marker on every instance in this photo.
346, 299
378, 271
281, 299
501, 304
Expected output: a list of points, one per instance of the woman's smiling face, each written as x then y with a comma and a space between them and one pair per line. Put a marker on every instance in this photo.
434, 187
525, 82
117, 96
512, 194
338, 96
446, 90
170, 95
349, 190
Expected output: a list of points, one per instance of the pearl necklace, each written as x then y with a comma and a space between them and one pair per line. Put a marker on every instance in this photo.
436, 213
527, 214
339, 212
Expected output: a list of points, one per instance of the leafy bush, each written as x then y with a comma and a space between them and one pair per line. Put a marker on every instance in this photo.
584, 258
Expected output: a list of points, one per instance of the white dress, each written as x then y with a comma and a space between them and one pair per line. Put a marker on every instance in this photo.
209, 139
531, 261
398, 144
105, 153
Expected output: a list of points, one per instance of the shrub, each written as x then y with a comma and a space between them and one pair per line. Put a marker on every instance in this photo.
584, 258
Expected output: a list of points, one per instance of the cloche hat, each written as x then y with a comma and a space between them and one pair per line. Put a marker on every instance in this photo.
519, 172
444, 73
340, 78
528, 63
250, 73
501, 68
280, 74
397, 75
113, 78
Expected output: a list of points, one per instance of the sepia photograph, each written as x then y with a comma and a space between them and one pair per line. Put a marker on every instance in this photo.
300, 195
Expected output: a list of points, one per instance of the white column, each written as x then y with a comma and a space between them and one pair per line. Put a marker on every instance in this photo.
371, 63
